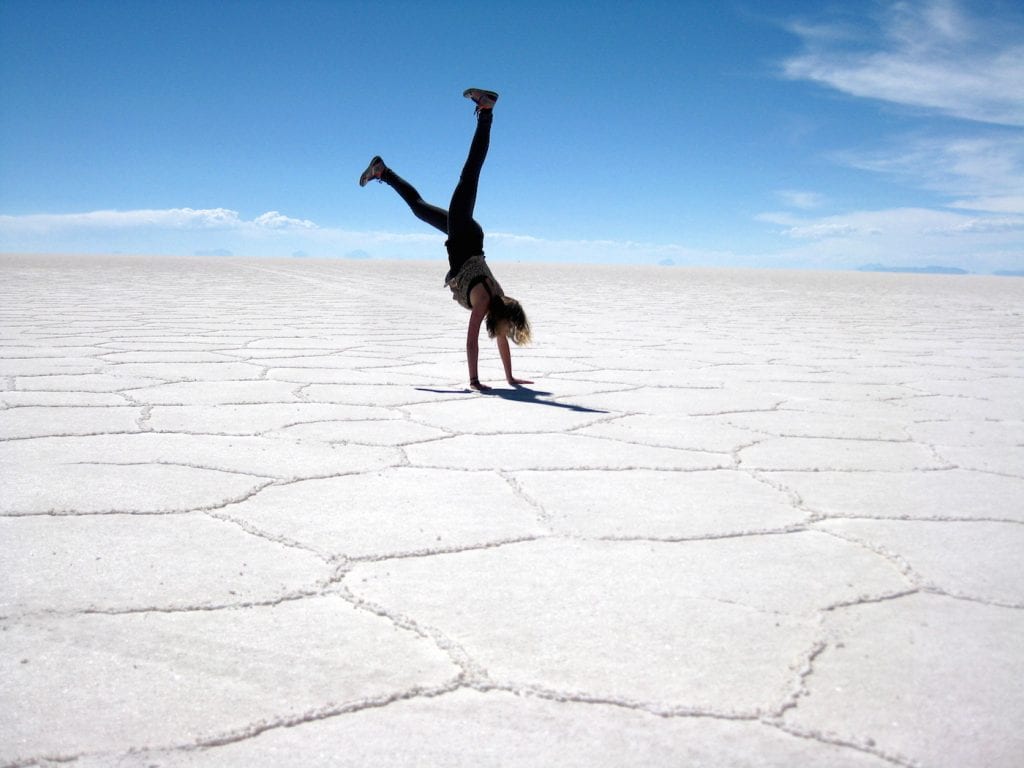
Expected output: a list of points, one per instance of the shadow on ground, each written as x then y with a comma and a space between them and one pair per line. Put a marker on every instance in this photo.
517, 394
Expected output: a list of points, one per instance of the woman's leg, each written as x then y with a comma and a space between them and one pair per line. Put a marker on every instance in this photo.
431, 214
465, 236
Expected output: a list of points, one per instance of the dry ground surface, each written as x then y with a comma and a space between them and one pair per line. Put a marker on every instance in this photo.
251, 516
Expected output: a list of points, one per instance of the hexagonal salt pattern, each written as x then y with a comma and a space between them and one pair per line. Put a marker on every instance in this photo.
252, 515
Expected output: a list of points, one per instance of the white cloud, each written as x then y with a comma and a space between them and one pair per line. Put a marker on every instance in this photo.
274, 220
931, 55
167, 231
996, 204
991, 224
910, 236
797, 199
824, 227
902, 237
824, 230
506, 245
892, 221
221, 231
942, 58
989, 169
173, 218
167, 219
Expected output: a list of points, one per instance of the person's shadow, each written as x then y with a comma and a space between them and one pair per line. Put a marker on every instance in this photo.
519, 394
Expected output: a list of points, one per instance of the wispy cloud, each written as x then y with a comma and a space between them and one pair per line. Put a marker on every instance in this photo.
943, 59
166, 219
894, 222
985, 171
221, 231
1001, 203
911, 236
275, 220
931, 55
993, 224
528, 248
981, 242
798, 199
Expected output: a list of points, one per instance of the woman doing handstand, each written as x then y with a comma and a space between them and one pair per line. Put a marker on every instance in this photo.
469, 277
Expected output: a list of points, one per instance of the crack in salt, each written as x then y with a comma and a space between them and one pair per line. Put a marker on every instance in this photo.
866, 745
289, 597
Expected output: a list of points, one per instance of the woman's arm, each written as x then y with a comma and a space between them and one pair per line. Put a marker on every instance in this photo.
480, 299
506, 360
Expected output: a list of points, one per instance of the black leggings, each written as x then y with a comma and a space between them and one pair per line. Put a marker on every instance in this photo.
465, 236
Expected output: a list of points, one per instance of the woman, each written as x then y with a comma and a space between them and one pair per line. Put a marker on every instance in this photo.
469, 278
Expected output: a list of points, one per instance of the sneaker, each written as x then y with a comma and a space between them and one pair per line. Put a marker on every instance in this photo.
483, 99
373, 171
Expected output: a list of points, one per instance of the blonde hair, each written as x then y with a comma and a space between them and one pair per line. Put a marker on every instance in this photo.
506, 317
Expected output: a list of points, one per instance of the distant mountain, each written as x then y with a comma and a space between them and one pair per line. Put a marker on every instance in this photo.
914, 270
1009, 272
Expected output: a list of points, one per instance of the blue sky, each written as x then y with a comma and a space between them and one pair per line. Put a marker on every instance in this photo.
784, 134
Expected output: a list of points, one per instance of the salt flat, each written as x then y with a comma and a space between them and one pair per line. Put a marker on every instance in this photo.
251, 516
